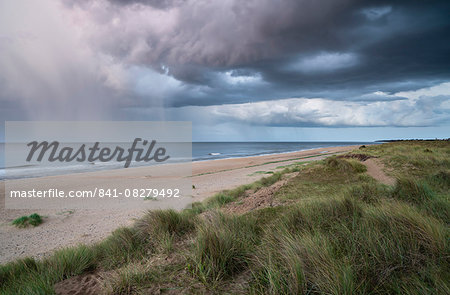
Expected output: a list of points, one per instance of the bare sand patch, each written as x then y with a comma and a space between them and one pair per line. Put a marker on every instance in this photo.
262, 198
376, 169
88, 284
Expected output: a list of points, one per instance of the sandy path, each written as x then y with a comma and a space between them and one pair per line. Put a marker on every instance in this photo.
66, 228
375, 169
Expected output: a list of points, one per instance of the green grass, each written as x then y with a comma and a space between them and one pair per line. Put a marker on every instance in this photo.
131, 279
369, 192
342, 232
410, 190
344, 165
124, 246
25, 221
223, 247
345, 247
28, 276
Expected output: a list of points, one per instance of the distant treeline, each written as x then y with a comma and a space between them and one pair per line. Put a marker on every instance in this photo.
396, 140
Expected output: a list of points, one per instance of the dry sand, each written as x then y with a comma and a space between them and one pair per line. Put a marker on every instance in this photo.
376, 169
62, 228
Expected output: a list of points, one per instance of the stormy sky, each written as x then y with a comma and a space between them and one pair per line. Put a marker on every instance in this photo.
258, 70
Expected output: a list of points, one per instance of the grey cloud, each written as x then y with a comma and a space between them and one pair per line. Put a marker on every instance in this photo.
177, 54
309, 48
216, 33
46, 72
162, 4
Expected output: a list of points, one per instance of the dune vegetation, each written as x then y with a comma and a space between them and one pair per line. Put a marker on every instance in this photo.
24, 221
334, 230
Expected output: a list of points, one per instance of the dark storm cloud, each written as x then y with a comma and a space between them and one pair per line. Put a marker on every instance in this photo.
220, 33
338, 49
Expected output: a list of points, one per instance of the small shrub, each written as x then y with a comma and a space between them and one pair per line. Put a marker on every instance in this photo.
35, 219
21, 221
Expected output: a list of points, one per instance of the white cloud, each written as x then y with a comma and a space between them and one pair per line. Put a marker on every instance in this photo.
378, 96
412, 110
441, 89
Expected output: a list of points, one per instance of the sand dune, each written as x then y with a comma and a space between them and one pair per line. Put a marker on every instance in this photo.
70, 227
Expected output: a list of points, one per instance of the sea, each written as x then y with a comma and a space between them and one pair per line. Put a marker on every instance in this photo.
201, 151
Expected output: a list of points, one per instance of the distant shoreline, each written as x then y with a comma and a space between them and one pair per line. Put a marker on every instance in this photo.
279, 153
397, 140
201, 152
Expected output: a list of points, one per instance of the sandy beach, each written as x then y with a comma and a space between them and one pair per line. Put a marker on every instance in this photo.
62, 228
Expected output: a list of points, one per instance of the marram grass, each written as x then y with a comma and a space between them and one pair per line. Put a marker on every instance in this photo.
340, 232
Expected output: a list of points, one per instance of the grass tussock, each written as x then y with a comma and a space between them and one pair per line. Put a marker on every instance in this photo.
267, 181
440, 180
369, 192
157, 223
123, 246
345, 165
70, 262
322, 215
28, 276
131, 279
14, 270
160, 229
409, 190
223, 247
25, 221
299, 264
342, 233
220, 199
